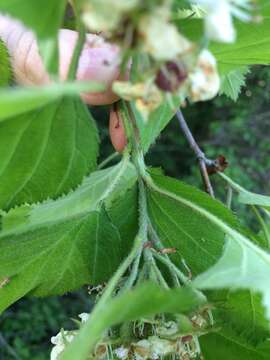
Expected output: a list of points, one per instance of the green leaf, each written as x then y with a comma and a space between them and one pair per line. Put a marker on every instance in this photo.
44, 18
158, 119
248, 197
232, 82
182, 226
5, 67
146, 300
242, 312
196, 224
226, 345
46, 152
264, 8
15, 101
123, 212
250, 48
242, 266
57, 246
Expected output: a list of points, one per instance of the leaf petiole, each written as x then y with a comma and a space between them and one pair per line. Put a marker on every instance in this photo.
72, 71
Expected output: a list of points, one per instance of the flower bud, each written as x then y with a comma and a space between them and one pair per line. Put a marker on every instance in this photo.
204, 81
171, 76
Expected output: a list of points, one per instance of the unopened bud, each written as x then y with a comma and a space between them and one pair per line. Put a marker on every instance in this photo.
171, 76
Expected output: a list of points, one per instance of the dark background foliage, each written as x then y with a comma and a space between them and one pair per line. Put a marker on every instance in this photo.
239, 131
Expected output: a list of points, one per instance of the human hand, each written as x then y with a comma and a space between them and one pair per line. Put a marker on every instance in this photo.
99, 61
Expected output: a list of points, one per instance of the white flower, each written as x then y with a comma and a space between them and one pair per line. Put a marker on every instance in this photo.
147, 97
105, 15
218, 18
204, 81
56, 352
219, 23
161, 347
84, 317
169, 328
60, 341
142, 350
153, 348
160, 38
121, 352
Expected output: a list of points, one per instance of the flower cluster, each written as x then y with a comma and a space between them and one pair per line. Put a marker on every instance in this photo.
195, 78
156, 348
173, 66
156, 338
63, 338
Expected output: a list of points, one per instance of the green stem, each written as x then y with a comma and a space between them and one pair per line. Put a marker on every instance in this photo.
142, 274
171, 266
262, 223
143, 210
142, 235
110, 158
72, 71
4, 344
240, 189
134, 272
229, 197
158, 273
159, 246
233, 185
118, 274
266, 212
132, 134
154, 273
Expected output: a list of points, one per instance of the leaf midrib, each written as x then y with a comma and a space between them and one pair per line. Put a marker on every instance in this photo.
214, 219
96, 206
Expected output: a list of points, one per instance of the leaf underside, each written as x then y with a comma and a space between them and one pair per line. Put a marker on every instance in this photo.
46, 152
197, 226
57, 246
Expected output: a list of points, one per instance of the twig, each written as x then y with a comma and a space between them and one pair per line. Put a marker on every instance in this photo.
203, 161
8, 347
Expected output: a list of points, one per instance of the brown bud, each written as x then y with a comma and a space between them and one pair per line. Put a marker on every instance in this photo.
219, 165
168, 251
116, 129
171, 76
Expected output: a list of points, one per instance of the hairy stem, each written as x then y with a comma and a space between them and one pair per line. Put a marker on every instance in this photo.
134, 272
72, 71
154, 236
203, 162
166, 261
158, 273
110, 158
262, 223
232, 184
229, 197
133, 137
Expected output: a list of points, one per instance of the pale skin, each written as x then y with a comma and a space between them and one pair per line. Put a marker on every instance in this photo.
99, 61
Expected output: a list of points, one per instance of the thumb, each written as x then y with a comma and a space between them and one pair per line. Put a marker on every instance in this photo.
99, 60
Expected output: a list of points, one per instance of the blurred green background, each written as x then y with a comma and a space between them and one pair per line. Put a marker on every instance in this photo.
240, 131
